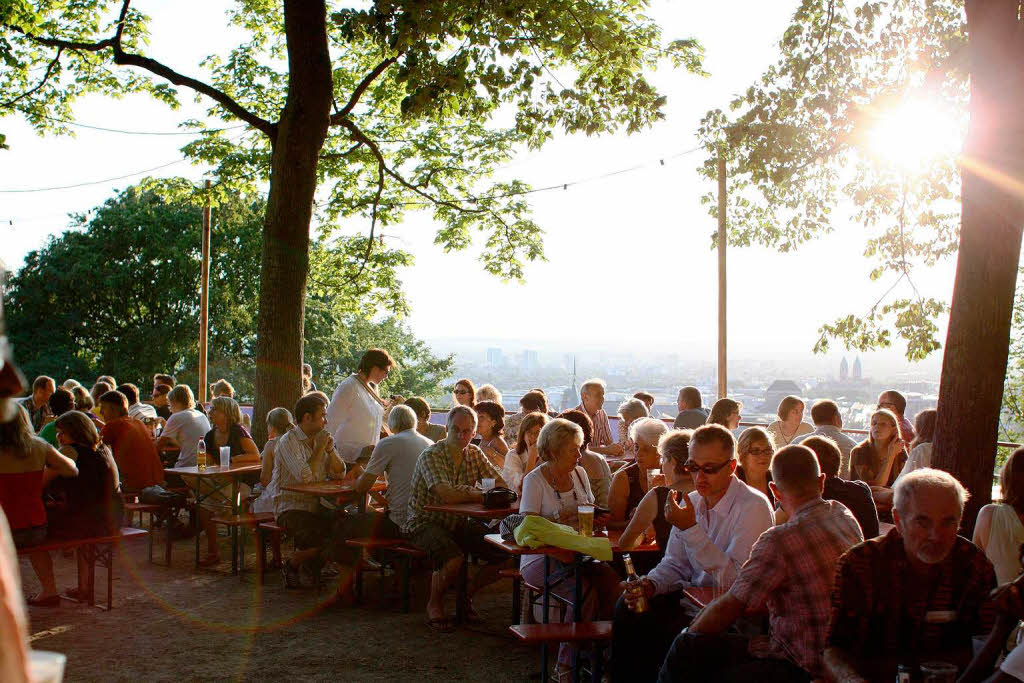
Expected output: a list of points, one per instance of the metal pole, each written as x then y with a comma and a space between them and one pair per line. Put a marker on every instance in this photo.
723, 383
204, 296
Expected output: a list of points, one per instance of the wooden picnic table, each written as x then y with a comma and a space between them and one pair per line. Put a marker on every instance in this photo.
474, 510
612, 535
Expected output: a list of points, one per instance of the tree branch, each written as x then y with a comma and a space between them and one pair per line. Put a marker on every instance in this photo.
353, 100
46, 77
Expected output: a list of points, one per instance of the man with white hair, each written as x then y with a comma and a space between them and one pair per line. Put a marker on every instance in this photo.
920, 592
592, 403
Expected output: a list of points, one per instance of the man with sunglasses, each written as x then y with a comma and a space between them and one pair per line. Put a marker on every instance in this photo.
714, 528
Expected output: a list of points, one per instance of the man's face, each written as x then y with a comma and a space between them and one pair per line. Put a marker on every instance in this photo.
462, 431
108, 412
315, 421
929, 524
712, 485
681, 404
885, 400
593, 399
43, 394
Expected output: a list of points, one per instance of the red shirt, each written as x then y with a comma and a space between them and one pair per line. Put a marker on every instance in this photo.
138, 462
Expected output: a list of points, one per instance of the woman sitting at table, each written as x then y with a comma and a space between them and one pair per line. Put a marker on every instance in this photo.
630, 410
631, 483
525, 457
649, 518
355, 414
279, 423
878, 459
598, 472
185, 427
554, 490
755, 448
790, 423
464, 393
222, 387
491, 420
533, 401
725, 412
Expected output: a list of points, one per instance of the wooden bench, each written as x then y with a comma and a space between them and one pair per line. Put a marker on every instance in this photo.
159, 513
242, 522
95, 549
267, 532
597, 633
517, 593
389, 551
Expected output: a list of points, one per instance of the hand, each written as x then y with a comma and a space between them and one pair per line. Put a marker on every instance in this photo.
658, 480
896, 445
682, 517
645, 583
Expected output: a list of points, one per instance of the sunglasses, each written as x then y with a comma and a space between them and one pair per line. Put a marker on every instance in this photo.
692, 467
460, 392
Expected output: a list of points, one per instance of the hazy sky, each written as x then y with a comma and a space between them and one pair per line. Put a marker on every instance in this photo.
629, 260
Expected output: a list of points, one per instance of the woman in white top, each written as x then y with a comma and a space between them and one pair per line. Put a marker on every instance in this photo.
999, 530
921, 446
525, 457
790, 423
279, 423
554, 490
185, 427
356, 412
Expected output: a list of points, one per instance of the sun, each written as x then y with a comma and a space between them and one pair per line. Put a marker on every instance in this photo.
914, 133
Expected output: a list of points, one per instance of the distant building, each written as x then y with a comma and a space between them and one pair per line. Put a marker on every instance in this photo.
844, 370
571, 395
531, 360
778, 390
856, 369
494, 357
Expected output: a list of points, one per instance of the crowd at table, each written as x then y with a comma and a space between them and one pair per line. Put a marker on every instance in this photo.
821, 557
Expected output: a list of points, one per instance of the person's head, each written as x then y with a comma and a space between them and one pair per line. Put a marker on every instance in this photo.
630, 410
725, 412
892, 400
109, 379
159, 395
222, 387
75, 427
796, 477
113, 405
490, 418
419, 406
559, 445
674, 449
830, 458
376, 365
180, 398
464, 393
826, 412
529, 430
307, 370
1011, 479
307, 378
98, 390
224, 413
688, 399
924, 427
885, 427
583, 421
279, 422
164, 379
489, 392
927, 507
70, 384
131, 392
83, 401
646, 433
401, 418
592, 395
61, 401
42, 388
16, 434
712, 460
311, 412
648, 400
755, 448
461, 426
534, 401
791, 409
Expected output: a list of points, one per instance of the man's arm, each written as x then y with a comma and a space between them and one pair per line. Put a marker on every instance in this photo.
451, 494
674, 568
839, 666
718, 616
757, 518
613, 449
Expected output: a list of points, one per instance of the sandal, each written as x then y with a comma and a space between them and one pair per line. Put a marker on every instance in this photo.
441, 625
210, 561
49, 601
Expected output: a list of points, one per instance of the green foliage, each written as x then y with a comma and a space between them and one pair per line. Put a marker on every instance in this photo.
1011, 427
119, 294
796, 145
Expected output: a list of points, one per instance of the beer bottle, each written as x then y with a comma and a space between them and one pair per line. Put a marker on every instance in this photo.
634, 585
201, 454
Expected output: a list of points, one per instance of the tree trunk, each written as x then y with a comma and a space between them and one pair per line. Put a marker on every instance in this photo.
300, 136
977, 343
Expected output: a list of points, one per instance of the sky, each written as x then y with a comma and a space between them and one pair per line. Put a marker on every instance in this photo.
629, 264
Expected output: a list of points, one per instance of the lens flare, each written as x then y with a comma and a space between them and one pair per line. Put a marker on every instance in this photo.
913, 133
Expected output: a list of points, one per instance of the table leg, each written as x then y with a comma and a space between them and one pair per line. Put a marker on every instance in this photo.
462, 591
545, 603
199, 518
234, 530
577, 608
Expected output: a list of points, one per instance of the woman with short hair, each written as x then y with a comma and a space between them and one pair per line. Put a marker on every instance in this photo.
490, 421
878, 459
464, 393
598, 471
790, 423
355, 415
630, 410
725, 412
631, 483
754, 449
489, 392
525, 457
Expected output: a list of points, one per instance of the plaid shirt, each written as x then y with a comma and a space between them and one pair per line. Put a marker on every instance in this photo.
602, 427
880, 608
791, 570
434, 467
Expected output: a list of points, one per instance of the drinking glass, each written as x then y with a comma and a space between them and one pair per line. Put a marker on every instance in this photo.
46, 667
487, 484
225, 456
586, 519
938, 672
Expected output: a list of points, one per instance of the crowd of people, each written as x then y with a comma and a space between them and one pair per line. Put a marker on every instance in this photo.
781, 521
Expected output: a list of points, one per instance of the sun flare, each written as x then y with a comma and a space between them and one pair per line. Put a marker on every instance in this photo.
914, 133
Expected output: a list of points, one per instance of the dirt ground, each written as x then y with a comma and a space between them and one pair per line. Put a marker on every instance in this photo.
181, 624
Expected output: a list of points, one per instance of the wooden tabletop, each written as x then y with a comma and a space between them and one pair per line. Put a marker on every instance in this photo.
335, 487
612, 535
232, 471
474, 510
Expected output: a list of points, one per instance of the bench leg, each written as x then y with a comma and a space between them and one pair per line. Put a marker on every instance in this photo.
261, 555
517, 601
152, 529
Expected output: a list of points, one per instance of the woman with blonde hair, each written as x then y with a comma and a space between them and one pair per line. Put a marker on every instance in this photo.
755, 448
878, 459
790, 423
279, 423
222, 387
999, 531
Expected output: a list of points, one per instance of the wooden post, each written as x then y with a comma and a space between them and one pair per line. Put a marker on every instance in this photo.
204, 296
723, 382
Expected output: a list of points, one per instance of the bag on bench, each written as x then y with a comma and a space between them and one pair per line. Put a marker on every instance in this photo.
158, 495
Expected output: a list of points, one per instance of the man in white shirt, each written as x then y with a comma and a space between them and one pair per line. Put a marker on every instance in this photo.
713, 531
828, 422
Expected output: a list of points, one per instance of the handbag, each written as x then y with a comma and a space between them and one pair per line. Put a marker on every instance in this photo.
500, 497
158, 495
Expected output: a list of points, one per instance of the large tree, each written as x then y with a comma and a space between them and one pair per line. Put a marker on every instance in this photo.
392, 106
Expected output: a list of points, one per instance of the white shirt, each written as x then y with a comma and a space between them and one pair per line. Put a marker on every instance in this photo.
919, 458
844, 441
355, 418
515, 466
397, 456
1013, 665
292, 454
718, 544
186, 427
540, 498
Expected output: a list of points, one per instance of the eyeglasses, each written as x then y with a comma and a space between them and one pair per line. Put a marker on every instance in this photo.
692, 467
760, 451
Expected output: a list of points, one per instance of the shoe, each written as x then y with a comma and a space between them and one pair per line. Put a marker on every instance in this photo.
291, 575
441, 625
51, 601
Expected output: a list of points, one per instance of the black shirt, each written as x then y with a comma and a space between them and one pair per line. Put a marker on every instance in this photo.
855, 495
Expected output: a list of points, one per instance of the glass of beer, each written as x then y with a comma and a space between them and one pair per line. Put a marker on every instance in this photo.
586, 517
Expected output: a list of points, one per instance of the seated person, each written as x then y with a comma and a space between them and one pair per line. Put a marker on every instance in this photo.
160, 401
631, 483
790, 572
855, 495
423, 425
715, 528
60, 401
1008, 602
596, 467
222, 387
279, 423
919, 590
138, 463
554, 490
998, 531
790, 424
186, 426
525, 457
447, 472
306, 455
630, 410
533, 401
828, 422
648, 400
592, 403
754, 449
491, 419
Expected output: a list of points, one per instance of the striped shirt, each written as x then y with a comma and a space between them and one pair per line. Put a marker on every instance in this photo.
791, 570
292, 454
602, 427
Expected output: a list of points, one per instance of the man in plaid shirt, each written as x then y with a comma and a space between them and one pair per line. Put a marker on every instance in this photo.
790, 572
447, 472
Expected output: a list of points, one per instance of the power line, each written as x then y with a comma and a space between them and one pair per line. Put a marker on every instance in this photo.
95, 182
204, 131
